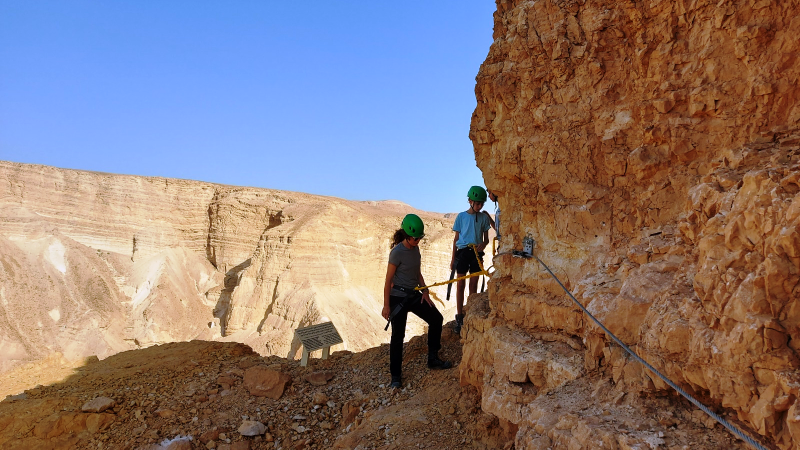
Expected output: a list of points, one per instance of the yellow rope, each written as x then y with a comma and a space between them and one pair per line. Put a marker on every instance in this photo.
476, 274
478, 258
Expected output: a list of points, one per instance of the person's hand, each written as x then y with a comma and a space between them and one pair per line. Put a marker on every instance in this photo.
426, 297
386, 311
452, 263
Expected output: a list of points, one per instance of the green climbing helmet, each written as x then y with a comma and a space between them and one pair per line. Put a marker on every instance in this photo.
413, 225
477, 194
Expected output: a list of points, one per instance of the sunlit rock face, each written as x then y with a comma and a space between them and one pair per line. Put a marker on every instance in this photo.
652, 150
93, 263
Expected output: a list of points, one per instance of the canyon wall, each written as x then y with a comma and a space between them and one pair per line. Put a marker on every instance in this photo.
652, 150
93, 263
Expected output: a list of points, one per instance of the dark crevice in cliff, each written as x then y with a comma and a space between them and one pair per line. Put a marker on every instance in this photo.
269, 308
222, 310
133, 247
211, 254
275, 220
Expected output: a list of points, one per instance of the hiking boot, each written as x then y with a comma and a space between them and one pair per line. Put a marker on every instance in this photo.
396, 383
438, 364
459, 323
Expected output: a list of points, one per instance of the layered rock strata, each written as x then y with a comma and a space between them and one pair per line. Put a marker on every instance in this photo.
652, 150
92, 263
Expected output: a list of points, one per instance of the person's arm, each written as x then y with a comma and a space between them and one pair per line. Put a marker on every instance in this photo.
453, 256
387, 288
426, 297
491, 221
485, 236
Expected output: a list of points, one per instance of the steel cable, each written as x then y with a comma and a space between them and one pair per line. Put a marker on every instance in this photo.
697, 403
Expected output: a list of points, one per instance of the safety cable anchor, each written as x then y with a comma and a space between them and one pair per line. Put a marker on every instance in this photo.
528, 243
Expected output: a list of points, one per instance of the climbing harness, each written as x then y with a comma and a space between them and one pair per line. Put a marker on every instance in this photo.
411, 296
527, 252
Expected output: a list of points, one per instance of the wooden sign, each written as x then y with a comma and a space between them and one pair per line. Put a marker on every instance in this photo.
315, 337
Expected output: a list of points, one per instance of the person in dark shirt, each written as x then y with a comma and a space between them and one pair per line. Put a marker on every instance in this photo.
402, 276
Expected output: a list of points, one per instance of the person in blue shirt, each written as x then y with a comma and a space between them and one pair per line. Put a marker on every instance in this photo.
472, 228
495, 223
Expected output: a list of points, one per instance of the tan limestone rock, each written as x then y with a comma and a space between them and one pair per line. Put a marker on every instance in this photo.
319, 378
252, 428
97, 405
265, 382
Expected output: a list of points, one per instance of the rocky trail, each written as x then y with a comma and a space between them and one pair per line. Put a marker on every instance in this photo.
200, 390
203, 395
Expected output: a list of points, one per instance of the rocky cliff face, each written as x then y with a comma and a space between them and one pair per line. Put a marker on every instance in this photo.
652, 149
92, 264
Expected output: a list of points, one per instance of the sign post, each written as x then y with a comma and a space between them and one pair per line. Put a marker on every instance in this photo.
315, 337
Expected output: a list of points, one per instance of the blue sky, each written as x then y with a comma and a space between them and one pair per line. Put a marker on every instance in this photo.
359, 100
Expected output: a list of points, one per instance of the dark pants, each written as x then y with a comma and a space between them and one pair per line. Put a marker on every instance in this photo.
424, 311
466, 262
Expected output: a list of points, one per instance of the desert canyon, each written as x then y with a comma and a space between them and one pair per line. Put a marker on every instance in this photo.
650, 148
94, 264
